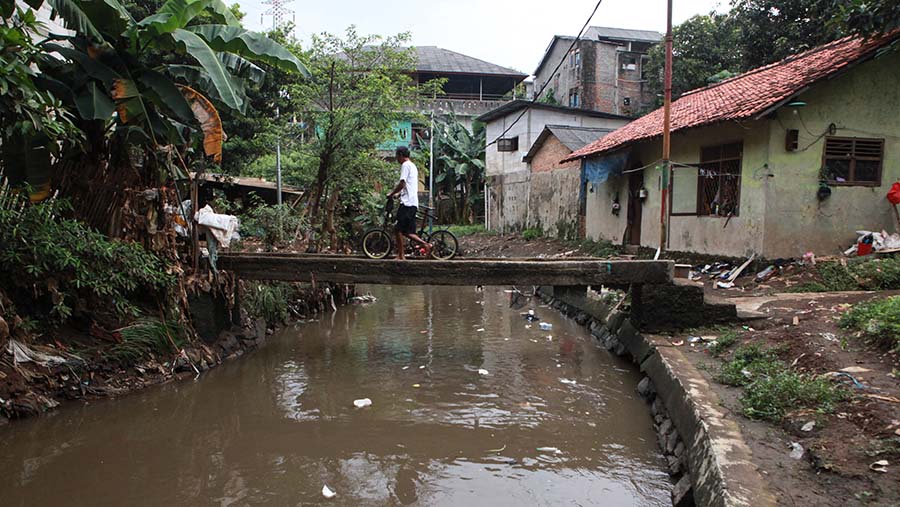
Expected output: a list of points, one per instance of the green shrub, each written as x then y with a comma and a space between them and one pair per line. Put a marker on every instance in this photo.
59, 261
532, 233
876, 321
274, 225
268, 301
771, 396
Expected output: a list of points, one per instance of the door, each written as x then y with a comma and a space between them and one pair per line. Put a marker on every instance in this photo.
635, 207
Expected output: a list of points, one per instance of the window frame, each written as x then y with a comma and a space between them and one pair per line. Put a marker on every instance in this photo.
513, 141
853, 158
699, 167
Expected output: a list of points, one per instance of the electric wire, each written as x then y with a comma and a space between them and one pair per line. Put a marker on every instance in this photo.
561, 60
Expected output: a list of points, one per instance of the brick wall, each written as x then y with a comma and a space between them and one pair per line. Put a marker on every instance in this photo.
549, 156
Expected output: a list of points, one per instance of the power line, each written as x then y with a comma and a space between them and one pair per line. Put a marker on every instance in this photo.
561, 60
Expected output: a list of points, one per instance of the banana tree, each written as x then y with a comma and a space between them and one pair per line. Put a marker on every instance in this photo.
153, 81
462, 158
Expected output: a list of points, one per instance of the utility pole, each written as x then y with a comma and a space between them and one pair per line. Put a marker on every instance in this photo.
667, 137
431, 172
278, 155
278, 11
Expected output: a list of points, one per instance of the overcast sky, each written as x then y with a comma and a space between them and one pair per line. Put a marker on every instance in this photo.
506, 32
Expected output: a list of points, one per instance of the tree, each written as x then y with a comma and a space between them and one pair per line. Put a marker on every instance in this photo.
772, 30
359, 88
868, 17
705, 49
461, 163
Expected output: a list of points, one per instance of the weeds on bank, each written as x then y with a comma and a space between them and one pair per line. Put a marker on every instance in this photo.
146, 337
725, 341
877, 322
771, 389
268, 301
593, 248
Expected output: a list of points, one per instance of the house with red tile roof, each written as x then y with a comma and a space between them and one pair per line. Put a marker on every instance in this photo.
792, 157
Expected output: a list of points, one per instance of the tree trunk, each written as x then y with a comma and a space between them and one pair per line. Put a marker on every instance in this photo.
328, 227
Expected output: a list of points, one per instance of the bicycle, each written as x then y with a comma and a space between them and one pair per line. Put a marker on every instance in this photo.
378, 243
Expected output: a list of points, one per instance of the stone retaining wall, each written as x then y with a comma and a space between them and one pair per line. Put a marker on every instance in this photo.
705, 452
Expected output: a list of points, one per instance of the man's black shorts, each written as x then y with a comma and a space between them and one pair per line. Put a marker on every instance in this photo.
406, 219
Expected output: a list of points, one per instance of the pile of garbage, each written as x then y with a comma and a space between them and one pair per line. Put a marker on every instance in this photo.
869, 242
725, 274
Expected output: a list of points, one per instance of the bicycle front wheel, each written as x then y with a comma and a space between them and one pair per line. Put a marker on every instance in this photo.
445, 245
376, 244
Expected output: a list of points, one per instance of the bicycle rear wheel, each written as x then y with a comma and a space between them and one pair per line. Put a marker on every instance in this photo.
376, 244
445, 244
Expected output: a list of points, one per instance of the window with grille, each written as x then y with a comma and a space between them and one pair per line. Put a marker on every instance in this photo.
508, 144
719, 180
853, 161
573, 98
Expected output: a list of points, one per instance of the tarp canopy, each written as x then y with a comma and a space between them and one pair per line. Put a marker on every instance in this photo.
599, 169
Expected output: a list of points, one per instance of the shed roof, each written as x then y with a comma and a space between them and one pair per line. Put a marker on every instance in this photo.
572, 137
440, 60
751, 95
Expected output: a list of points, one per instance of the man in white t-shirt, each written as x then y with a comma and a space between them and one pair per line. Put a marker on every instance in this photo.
408, 190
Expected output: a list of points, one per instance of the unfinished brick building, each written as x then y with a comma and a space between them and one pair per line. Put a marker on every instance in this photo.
604, 71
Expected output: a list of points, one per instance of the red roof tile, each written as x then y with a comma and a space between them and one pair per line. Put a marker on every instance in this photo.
746, 96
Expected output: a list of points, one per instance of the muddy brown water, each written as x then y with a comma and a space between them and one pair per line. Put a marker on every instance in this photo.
274, 427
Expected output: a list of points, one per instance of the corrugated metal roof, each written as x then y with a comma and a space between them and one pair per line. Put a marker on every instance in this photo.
572, 137
515, 106
576, 138
435, 59
750, 95
623, 34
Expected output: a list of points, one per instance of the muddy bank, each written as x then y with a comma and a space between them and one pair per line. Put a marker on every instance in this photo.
91, 370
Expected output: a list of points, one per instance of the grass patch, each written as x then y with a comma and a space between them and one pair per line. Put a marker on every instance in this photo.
876, 322
467, 230
725, 341
748, 363
146, 337
532, 233
770, 397
869, 274
771, 389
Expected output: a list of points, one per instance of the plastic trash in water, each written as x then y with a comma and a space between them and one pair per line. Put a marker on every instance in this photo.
482, 371
568, 381
327, 492
546, 326
553, 450
362, 403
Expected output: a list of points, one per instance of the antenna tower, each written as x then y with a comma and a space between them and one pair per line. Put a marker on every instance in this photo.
278, 12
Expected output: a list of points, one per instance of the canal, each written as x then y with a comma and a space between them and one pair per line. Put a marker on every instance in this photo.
471, 405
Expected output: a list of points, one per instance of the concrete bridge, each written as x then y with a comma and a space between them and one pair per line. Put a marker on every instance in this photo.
359, 270
658, 300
